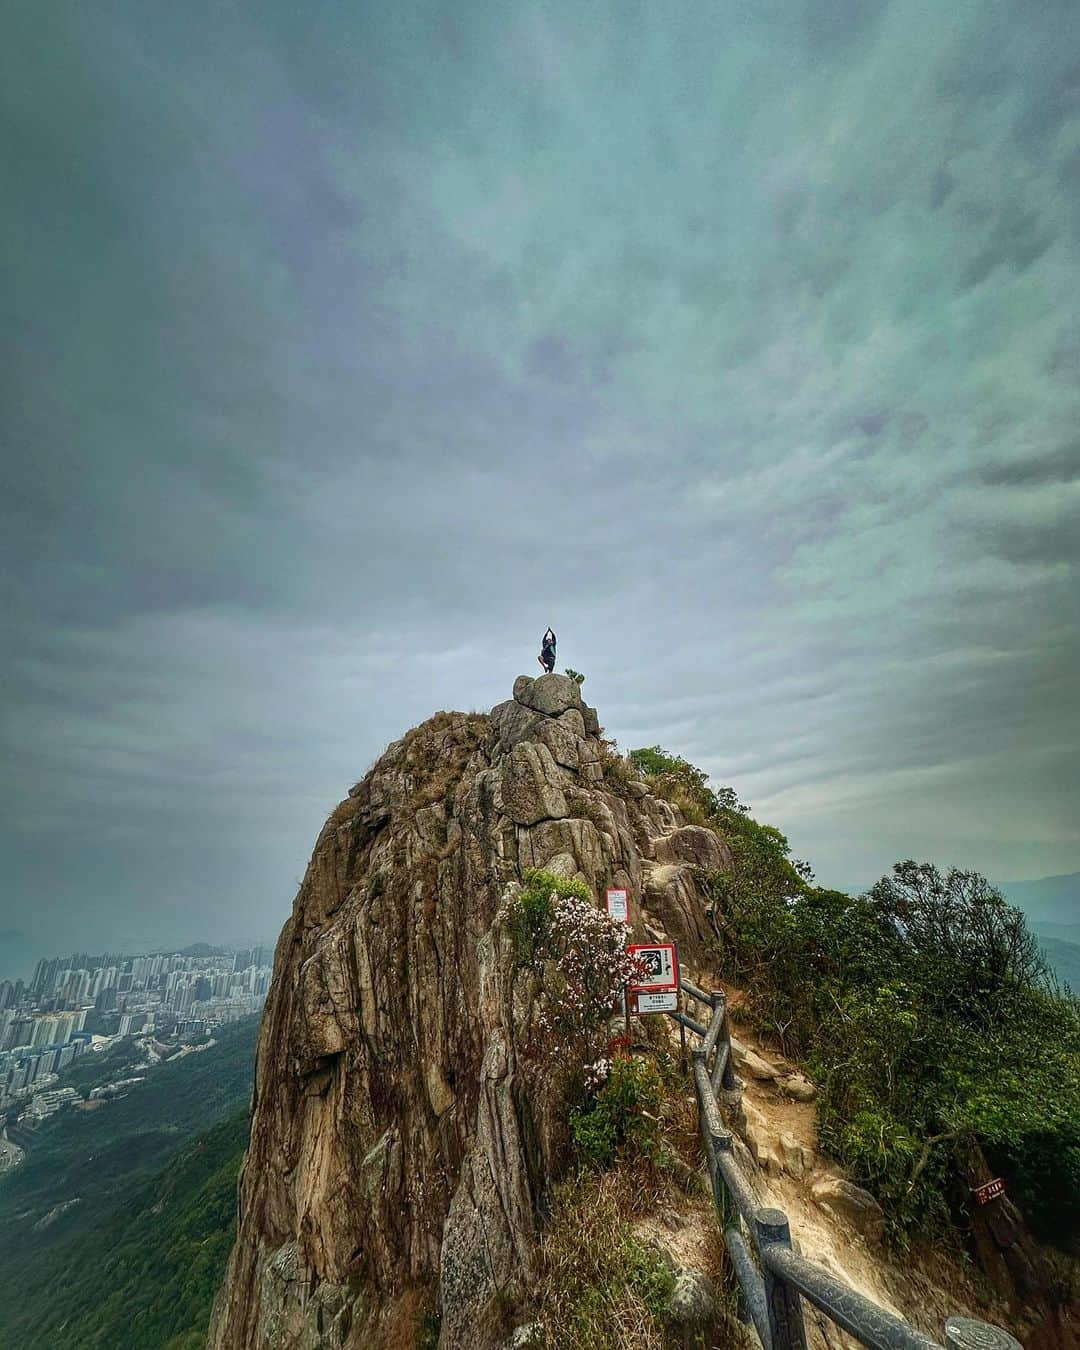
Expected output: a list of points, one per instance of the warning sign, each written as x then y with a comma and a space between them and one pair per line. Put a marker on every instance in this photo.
617, 903
989, 1190
661, 966
655, 1003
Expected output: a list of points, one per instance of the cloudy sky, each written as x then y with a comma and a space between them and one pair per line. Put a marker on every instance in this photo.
347, 346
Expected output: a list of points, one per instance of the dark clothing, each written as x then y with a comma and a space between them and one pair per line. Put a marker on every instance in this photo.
547, 651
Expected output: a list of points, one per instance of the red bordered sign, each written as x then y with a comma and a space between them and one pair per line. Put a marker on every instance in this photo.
661, 961
989, 1190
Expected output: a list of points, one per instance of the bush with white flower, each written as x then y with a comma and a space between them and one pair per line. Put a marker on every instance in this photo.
580, 952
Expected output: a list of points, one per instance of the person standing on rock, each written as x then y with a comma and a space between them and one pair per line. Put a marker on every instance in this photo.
547, 651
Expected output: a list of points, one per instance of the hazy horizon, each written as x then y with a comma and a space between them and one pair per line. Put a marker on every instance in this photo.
347, 349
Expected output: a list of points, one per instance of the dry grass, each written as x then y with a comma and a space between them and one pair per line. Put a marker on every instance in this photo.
602, 1287
344, 811
617, 769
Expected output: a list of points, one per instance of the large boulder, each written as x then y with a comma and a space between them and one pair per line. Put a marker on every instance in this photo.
574, 722
579, 839
673, 899
751, 1064
522, 685
512, 722
694, 844
692, 1304
550, 694
531, 791
565, 747
847, 1201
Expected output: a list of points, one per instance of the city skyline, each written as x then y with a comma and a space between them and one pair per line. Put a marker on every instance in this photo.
27, 973
83, 1003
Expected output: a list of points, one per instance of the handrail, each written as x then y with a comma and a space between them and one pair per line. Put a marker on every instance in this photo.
688, 1022
861, 1316
689, 988
774, 1287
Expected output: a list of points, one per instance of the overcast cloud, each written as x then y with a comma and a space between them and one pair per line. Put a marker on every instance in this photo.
348, 346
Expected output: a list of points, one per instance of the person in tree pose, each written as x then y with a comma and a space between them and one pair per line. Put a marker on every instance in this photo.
547, 651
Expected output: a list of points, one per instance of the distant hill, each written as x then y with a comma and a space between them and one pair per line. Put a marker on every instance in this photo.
115, 1230
1063, 957
1052, 906
1048, 900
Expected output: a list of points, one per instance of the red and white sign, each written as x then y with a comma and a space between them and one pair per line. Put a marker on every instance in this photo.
989, 1190
618, 904
661, 963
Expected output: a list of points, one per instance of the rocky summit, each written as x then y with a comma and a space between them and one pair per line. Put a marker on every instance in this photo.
402, 1147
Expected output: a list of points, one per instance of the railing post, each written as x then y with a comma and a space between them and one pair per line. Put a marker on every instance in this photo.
728, 1081
783, 1304
965, 1333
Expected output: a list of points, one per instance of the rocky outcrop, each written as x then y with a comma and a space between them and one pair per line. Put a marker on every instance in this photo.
402, 1148
851, 1203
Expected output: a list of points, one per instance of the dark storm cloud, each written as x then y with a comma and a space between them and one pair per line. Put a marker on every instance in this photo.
349, 348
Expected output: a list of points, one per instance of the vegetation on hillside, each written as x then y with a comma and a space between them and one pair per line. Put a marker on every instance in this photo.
136, 1261
606, 1276
146, 1276
620, 1116
603, 1287
579, 954
923, 1009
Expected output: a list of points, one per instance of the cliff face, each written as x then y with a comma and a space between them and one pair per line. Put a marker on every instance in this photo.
401, 1146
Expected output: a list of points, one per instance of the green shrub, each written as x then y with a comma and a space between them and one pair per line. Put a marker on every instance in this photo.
530, 914
923, 1009
581, 956
674, 777
622, 1117
648, 1276
927, 1018
576, 676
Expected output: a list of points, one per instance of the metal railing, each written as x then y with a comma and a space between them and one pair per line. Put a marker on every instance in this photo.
773, 1278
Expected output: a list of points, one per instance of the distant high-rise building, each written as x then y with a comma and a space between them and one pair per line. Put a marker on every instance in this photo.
106, 1000
45, 976
44, 1032
21, 1031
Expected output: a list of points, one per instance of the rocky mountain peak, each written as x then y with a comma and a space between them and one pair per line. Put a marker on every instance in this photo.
402, 1148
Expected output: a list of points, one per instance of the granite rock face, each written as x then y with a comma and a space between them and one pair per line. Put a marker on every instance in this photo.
401, 1148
